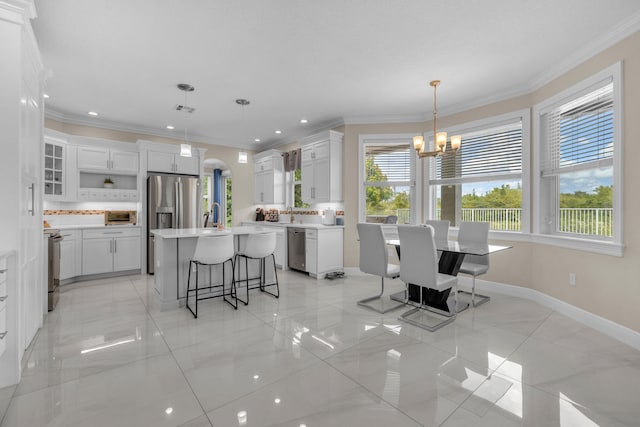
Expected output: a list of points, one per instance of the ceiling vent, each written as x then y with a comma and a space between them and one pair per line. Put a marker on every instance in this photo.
184, 108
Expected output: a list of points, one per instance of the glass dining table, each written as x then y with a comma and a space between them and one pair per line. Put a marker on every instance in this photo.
452, 255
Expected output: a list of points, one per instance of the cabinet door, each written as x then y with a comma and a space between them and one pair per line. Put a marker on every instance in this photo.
54, 180
311, 255
268, 188
126, 254
67, 259
94, 158
160, 162
308, 177
279, 252
321, 180
186, 165
124, 161
97, 255
258, 185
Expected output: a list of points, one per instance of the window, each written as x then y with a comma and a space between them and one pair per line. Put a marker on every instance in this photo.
387, 178
206, 191
484, 180
297, 189
579, 174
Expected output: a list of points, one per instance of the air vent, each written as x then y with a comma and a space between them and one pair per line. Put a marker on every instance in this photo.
184, 108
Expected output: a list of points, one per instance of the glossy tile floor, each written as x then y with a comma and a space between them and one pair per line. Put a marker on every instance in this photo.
108, 357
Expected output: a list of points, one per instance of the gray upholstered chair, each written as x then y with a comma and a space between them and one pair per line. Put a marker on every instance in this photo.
419, 266
440, 228
374, 259
474, 233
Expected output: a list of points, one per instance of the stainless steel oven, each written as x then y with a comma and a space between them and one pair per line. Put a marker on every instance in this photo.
53, 284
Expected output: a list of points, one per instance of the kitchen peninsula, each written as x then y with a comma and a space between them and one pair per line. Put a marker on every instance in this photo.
175, 247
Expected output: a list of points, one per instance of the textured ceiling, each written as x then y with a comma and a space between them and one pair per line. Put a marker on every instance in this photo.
329, 61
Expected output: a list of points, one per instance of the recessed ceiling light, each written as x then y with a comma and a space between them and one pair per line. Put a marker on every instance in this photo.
257, 140
170, 127
278, 132
304, 121
93, 113
46, 96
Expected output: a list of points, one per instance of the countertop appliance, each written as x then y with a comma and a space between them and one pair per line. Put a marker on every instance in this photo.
296, 248
173, 201
120, 217
329, 217
53, 263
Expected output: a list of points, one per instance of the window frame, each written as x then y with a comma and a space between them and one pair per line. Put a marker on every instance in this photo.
543, 198
414, 185
522, 115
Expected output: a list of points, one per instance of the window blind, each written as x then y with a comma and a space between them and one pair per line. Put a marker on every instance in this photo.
388, 163
579, 134
488, 154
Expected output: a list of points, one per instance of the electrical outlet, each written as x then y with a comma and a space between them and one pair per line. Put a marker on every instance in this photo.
572, 279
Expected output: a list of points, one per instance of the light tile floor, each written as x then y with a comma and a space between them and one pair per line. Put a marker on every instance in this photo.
107, 356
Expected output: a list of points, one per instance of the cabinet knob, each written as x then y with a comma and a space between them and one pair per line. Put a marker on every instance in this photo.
3, 271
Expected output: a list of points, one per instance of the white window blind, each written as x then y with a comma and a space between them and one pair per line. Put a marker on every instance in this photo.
388, 163
487, 154
580, 133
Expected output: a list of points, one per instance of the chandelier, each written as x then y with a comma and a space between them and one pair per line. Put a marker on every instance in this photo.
439, 138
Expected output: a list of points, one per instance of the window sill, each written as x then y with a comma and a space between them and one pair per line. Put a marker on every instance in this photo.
586, 245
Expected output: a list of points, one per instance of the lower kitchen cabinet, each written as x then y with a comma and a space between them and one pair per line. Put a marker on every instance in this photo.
113, 250
324, 251
70, 254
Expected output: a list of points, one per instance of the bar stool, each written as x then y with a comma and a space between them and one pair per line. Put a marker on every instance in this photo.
259, 246
212, 251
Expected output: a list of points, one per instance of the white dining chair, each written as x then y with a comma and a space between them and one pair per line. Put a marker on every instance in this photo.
440, 229
374, 259
419, 266
474, 233
259, 247
212, 251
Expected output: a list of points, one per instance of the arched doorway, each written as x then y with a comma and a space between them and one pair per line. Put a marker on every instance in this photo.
216, 189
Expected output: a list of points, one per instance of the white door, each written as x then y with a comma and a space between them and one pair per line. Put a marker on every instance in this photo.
126, 255
97, 255
160, 162
94, 158
124, 161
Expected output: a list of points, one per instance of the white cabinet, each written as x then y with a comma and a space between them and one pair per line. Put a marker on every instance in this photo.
112, 250
107, 159
70, 254
4, 296
268, 178
324, 251
54, 170
322, 168
159, 161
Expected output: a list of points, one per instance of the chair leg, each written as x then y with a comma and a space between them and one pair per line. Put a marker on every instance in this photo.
365, 302
189, 289
224, 292
239, 265
264, 275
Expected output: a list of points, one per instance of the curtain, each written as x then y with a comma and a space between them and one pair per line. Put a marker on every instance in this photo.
292, 160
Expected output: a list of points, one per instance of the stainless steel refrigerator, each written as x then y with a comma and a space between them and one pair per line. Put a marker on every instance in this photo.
173, 201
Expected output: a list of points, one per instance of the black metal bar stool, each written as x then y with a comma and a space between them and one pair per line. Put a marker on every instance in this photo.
210, 251
259, 246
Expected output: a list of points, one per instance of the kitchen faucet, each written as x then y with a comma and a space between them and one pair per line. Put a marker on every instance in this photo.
218, 223
290, 212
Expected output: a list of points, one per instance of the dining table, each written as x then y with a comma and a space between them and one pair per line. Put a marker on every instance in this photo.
452, 255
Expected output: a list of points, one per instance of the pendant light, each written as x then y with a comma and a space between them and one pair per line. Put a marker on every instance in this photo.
185, 148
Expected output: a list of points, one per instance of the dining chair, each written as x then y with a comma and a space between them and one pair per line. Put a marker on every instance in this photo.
391, 219
419, 266
440, 229
212, 251
474, 233
374, 259
259, 247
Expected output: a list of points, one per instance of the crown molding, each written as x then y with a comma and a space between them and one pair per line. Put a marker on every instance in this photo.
616, 34
321, 127
74, 119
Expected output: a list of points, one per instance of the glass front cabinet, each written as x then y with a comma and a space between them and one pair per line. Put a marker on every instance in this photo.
54, 170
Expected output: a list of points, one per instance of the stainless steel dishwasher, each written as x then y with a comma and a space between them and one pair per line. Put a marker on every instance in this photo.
296, 248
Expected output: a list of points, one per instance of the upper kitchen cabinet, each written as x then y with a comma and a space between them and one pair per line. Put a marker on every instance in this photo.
322, 167
107, 160
60, 172
268, 178
160, 161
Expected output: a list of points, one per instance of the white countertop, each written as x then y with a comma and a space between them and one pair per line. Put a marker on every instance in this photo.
80, 227
180, 233
292, 224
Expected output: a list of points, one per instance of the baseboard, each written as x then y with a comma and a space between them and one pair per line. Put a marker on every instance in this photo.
621, 333
353, 271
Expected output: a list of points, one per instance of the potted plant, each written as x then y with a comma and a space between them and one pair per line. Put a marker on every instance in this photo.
108, 183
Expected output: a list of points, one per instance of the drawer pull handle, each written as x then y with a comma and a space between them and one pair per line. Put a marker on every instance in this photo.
4, 298
3, 334
113, 232
3, 271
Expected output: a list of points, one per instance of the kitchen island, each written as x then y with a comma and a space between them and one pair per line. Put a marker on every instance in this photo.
175, 247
